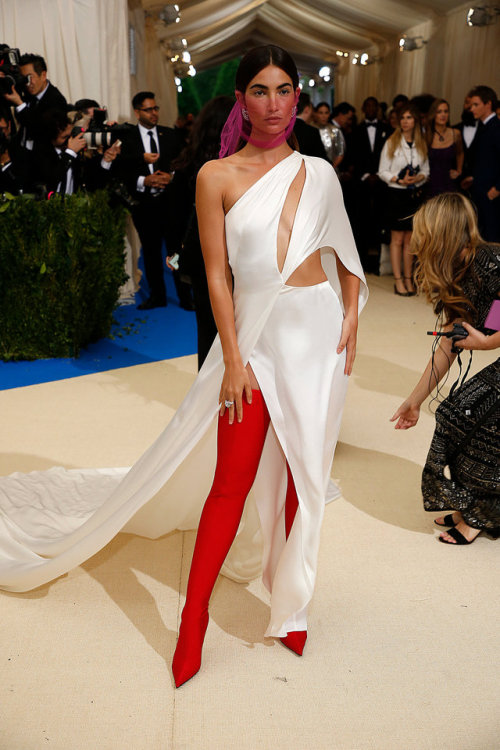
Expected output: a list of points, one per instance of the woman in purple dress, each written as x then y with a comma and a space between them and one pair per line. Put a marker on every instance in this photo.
445, 151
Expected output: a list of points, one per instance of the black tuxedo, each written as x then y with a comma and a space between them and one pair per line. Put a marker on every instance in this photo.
29, 118
50, 168
152, 215
369, 192
309, 139
363, 158
468, 151
486, 174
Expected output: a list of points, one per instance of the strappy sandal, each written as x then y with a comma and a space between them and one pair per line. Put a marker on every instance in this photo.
448, 521
457, 536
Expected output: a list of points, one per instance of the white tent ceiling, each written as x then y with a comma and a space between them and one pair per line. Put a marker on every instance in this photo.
218, 30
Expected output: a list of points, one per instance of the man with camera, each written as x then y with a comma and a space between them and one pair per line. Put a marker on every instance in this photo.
55, 163
145, 167
39, 96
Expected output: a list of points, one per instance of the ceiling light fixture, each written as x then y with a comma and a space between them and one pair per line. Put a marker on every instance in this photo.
170, 14
409, 43
482, 15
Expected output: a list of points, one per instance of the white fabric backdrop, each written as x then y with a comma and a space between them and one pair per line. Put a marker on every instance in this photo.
85, 44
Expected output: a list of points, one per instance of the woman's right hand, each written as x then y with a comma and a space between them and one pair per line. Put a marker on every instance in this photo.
235, 382
407, 416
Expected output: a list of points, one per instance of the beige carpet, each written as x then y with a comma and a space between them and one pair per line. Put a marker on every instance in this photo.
403, 637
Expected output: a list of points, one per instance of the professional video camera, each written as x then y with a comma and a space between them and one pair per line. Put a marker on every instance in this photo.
96, 131
9, 66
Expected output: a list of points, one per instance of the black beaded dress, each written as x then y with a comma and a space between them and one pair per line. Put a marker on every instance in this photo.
465, 446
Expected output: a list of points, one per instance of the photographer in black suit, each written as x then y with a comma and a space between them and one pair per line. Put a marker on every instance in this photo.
145, 167
368, 139
40, 96
55, 157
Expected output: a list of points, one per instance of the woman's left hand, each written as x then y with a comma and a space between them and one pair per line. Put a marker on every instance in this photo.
348, 341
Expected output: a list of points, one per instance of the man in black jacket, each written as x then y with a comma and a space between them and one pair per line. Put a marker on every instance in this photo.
41, 97
54, 159
309, 139
145, 166
485, 188
368, 139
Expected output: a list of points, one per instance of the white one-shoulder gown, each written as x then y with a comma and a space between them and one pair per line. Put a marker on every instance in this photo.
54, 520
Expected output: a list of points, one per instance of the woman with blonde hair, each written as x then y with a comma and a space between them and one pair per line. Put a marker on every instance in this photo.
459, 273
405, 168
446, 154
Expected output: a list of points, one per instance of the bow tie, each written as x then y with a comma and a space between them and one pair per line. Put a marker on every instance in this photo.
371, 124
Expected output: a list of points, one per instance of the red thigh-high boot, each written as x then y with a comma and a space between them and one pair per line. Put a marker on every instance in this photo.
296, 640
239, 447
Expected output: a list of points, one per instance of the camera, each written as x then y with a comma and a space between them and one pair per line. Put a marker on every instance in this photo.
410, 170
9, 65
97, 133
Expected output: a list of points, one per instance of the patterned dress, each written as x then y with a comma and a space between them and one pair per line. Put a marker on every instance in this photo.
466, 435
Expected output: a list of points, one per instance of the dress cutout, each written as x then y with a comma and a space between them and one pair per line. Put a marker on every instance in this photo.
52, 521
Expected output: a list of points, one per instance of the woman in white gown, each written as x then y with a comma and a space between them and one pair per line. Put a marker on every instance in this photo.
286, 344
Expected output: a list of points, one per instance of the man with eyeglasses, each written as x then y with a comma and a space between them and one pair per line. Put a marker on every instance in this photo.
145, 166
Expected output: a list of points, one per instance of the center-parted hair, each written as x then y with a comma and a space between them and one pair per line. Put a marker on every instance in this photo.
418, 136
259, 58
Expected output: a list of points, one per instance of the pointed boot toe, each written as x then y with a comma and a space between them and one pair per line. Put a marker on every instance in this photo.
295, 641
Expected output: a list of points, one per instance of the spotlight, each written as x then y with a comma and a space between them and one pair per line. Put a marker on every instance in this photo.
409, 43
326, 79
170, 14
324, 71
355, 59
481, 15
312, 83
191, 71
364, 59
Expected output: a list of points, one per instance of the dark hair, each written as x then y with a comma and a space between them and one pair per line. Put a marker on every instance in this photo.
486, 94
53, 121
370, 99
398, 100
83, 104
304, 101
343, 109
140, 97
322, 104
204, 141
423, 102
259, 58
39, 64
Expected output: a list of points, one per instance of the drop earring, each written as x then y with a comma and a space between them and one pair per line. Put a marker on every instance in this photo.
244, 113
294, 110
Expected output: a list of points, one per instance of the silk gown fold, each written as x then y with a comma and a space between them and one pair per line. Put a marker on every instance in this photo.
54, 520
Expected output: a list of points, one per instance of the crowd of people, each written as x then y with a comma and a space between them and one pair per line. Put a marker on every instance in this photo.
395, 159
389, 163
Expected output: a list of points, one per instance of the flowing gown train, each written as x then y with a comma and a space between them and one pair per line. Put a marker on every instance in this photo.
54, 520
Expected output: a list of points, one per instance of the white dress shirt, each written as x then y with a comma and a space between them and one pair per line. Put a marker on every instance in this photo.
146, 142
404, 156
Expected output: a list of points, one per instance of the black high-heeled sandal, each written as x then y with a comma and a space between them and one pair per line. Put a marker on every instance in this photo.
448, 521
409, 294
400, 294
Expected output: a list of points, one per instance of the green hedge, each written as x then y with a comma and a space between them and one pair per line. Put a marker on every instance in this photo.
61, 267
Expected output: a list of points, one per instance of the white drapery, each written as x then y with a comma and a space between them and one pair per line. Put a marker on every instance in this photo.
85, 44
